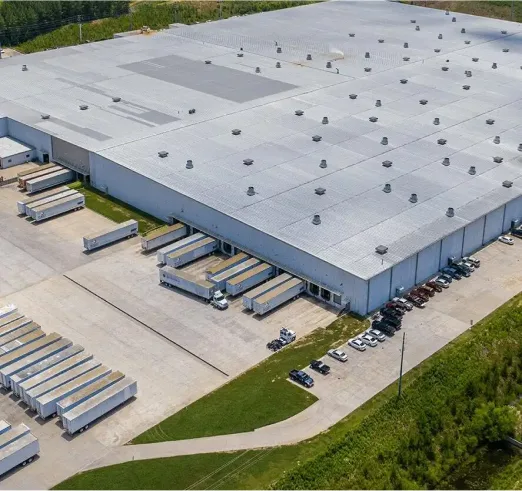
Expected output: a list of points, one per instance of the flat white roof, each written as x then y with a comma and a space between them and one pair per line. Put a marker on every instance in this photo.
10, 147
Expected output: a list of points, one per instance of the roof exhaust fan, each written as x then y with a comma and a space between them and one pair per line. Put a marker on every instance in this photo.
496, 140
316, 220
116, 99
507, 184
24, 68
381, 249
248, 161
450, 212
472, 170
387, 188
320, 191
236, 131
189, 164
413, 198
446, 161
323, 164
251, 191
45, 116
387, 163
162, 154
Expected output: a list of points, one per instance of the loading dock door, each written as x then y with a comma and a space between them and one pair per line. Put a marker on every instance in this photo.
71, 156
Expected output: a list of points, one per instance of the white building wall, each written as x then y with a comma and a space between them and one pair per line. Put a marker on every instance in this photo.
403, 275
37, 139
494, 224
513, 212
428, 262
379, 290
451, 247
473, 234
161, 202
17, 159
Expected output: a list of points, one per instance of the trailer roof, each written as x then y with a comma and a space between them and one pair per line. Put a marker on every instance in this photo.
248, 274
222, 265
160, 77
57, 172
164, 231
13, 434
8, 357
234, 270
18, 444
187, 276
35, 169
58, 202
277, 291
191, 247
45, 194
10, 318
268, 285
99, 384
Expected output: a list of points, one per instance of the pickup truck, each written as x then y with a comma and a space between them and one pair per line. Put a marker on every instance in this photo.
301, 378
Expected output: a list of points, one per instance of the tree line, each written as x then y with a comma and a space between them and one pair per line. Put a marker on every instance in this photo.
24, 20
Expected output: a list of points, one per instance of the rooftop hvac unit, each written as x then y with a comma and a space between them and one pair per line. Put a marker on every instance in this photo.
320, 191
325, 120
236, 132
474, 59
463, 31
323, 164
192, 111
445, 68
466, 87
45, 116
498, 160
279, 50
189, 164
442, 141
437, 50
163, 154
278, 64
472, 170
24, 68
378, 103
446, 161
317, 138
490, 121
503, 32
353, 96
258, 70
404, 80
384, 140
298, 112
367, 69
467, 42
507, 184
84, 107
373, 119
423, 102
116, 99
496, 140
406, 58
387, 163
208, 62
380, 40
436, 121
251, 191
381, 249
351, 34
248, 161
328, 64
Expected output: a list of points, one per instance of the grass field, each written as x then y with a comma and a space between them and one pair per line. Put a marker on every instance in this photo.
363, 450
260, 396
115, 209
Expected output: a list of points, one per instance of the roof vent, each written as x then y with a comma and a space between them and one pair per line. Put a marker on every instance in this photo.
423, 102
299, 112
406, 45
208, 62
192, 111
236, 132
466, 87
450, 212
309, 57
278, 64
520, 147
316, 220
436, 121
453, 19
406, 58
446, 161
328, 64
251, 191
507, 184
503, 32
325, 120
387, 188
472, 170
463, 31
467, 73
189, 164
404, 80
241, 48
116, 99
258, 70
505, 50
279, 50
378, 103
380, 40
373, 119
440, 36
474, 59
467, 41
84, 107
320, 191
498, 160
240, 55
447, 12
445, 68
163, 154
352, 35
494, 66
367, 54
317, 138
384, 140
353, 96
45, 116
381, 249
387, 163
367, 69
437, 50
323, 164
496, 140
490, 121
417, 28
442, 141
24, 68
413, 198
248, 161
413, 21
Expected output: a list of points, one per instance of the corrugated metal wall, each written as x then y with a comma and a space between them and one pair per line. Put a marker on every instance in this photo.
74, 157
34, 138
379, 290
403, 274
513, 212
3, 127
473, 234
451, 247
494, 224
428, 262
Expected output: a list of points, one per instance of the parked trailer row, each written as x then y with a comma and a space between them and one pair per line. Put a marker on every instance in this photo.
15, 354
32, 208
192, 252
162, 253
112, 234
7, 310
13, 326
21, 342
7, 372
79, 418
20, 452
249, 279
248, 298
185, 281
31, 391
42, 366
10, 318
33, 199
35, 170
278, 296
163, 236
18, 333
226, 264
221, 279
40, 183
60, 207
22, 181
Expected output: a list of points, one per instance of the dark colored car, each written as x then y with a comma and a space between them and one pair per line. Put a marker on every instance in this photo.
463, 269
421, 294
301, 378
434, 285
397, 306
391, 313
428, 290
393, 322
320, 367
384, 327
415, 300
454, 273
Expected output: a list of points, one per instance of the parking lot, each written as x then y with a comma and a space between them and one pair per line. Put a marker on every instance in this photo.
177, 347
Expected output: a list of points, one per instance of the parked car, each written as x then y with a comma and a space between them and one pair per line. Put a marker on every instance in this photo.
392, 321
391, 313
368, 339
416, 301
453, 273
383, 327
447, 277
320, 367
473, 260
419, 293
338, 355
378, 335
357, 344
468, 265
426, 290
403, 301
434, 285
442, 282
462, 269
396, 306
506, 240
301, 378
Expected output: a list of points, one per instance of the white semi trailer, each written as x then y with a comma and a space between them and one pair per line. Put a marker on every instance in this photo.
226, 264
31, 208
111, 234
163, 236
22, 181
59, 207
7, 309
184, 281
18, 447
192, 252
21, 205
164, 251
40, 183
249, 279
220, 280
248, 298
278, 296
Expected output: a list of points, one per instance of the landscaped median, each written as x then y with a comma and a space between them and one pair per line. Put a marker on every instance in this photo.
259, 397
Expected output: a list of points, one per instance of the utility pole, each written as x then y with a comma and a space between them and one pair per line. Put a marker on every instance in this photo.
220, 9
512, 9
402, 359
80, 25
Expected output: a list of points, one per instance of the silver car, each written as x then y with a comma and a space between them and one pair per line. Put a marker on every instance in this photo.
357, 344
378, 335
403, 301
338, 355
368, 339
506, 240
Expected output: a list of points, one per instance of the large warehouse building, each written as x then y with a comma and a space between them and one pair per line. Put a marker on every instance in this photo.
357, 146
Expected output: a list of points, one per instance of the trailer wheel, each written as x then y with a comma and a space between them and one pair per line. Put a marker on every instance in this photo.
24, 463
29, 460
54, 415
81, 430
86, 427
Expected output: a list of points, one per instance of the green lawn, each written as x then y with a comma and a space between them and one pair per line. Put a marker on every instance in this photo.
259, 397
114, 209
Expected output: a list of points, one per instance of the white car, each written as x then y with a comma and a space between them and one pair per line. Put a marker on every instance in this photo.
506, 240
378, 335
338, 355
369, 340
442, 282
472, 260
403, 301
357, 344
